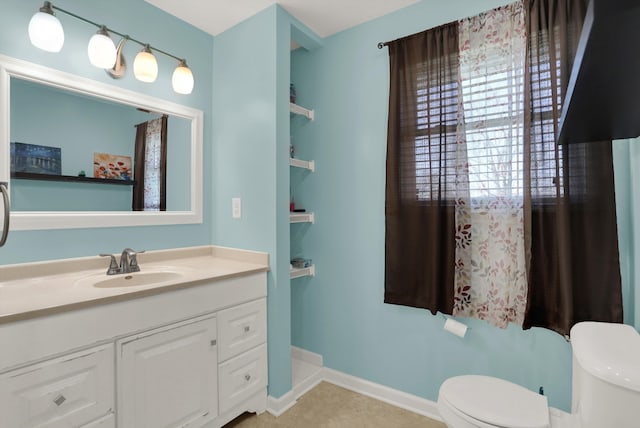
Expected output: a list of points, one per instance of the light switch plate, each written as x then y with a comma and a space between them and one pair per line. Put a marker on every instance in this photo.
236, 208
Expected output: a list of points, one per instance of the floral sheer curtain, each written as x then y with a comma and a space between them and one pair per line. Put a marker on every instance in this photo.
490, 280
486, 216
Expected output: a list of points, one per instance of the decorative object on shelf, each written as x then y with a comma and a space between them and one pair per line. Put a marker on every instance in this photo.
110, 166
46, 33
292, 93
35, 159
82, 173
300, 263
292, 151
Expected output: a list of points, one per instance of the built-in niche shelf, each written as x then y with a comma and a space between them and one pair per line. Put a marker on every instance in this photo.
69, 178
301, 272
299, 163
299, 110
302, 218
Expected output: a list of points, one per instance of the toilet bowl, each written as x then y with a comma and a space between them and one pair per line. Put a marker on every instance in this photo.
605, 388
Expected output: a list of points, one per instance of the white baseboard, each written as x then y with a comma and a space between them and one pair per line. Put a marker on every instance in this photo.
397, 398
410, 402
307, 356
277, 406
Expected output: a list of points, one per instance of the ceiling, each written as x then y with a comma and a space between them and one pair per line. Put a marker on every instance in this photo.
324, 17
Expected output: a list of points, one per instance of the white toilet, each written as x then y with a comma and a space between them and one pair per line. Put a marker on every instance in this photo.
605, 389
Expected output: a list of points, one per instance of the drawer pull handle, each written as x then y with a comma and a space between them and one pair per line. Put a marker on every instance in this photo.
247, 328
59, 400
247, 377
214, 342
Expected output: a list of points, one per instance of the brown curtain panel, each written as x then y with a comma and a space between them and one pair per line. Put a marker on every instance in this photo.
420, 209
138, 167
570, 213
163, 163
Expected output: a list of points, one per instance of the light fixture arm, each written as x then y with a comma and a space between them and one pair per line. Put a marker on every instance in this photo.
48, 7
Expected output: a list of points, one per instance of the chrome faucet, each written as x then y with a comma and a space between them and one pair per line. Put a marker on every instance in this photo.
128, 262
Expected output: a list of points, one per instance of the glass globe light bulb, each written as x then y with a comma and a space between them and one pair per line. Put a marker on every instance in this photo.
182, 79
145, 66
101, 50
45, 30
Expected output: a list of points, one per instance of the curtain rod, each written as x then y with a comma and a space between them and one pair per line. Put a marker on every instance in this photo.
381, 44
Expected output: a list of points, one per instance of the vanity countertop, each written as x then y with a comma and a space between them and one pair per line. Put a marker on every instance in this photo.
30, 290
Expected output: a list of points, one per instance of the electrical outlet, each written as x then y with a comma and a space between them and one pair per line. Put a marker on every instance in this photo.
236, 208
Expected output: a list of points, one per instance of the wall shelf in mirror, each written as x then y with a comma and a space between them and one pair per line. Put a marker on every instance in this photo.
69, 178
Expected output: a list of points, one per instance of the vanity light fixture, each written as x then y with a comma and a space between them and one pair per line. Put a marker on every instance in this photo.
46, 33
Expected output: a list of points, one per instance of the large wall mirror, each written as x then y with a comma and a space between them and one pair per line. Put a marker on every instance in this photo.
79, 153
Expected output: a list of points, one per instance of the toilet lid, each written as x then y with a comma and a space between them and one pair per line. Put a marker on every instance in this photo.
496, 402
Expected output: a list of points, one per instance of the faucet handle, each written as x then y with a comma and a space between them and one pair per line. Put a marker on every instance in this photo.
133, 260
114, 269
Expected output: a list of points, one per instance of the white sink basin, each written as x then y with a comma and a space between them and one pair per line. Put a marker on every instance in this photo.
136, 279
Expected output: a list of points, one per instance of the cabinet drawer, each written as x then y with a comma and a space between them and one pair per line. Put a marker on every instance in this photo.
242, 376
241, 328
68, 391
108, 421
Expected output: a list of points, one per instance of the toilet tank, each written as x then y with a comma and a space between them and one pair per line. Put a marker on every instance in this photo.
606, 375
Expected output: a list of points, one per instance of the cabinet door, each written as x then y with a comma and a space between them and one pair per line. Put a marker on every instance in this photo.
168, 378
67, 391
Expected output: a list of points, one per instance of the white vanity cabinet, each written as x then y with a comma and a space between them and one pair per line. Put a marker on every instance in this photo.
195, 356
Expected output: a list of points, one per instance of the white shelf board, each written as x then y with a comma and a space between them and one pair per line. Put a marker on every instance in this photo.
296, 109
300, 272
302, 218
299, 163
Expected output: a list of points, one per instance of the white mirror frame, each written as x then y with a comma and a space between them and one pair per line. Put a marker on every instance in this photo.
37, 220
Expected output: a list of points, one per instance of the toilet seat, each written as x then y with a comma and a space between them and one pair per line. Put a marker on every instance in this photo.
488, 402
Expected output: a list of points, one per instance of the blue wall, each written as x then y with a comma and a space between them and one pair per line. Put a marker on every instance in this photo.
144, 22
248, 106
340, 313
